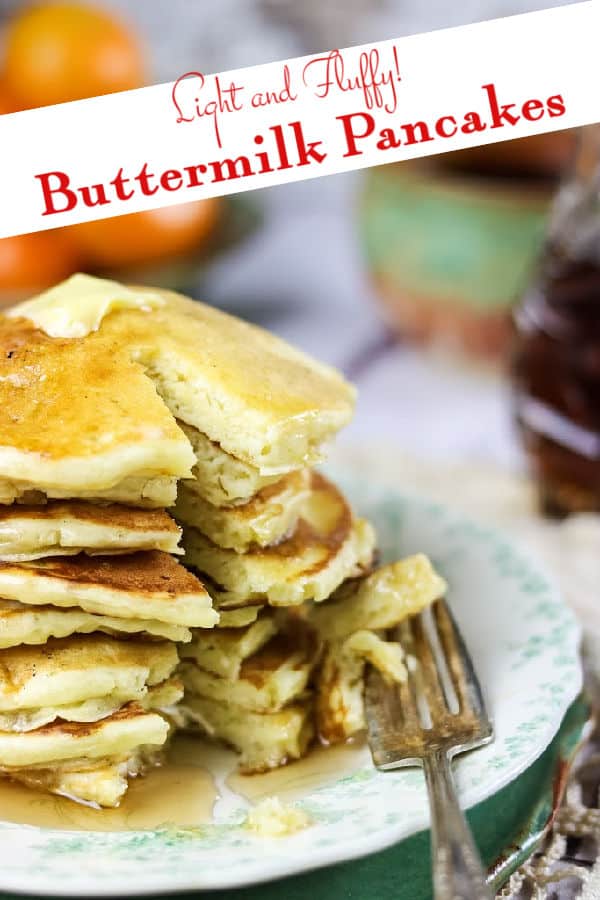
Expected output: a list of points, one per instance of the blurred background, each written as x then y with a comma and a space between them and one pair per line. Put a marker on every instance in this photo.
403, 276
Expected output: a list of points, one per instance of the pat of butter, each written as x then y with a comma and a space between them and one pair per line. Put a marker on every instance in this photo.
76, 307
272, 818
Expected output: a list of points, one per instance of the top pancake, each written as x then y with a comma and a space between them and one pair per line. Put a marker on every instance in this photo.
261, 400
63, 528
79, 417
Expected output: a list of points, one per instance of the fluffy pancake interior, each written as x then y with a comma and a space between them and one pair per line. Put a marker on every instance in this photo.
268, 679
264, 741
223, 650
70, 527
263, 401
381, 600
218, 477
339, 707
147, 585
267, 518
326, 548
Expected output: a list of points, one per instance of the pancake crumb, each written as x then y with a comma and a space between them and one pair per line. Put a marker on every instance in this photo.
272, 818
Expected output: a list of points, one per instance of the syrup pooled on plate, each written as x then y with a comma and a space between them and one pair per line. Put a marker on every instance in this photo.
184, 791
321, 765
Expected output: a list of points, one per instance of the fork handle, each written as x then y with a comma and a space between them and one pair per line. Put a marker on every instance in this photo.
456, 866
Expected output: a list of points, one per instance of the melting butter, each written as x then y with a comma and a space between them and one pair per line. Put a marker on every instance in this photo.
76, 307
272, 818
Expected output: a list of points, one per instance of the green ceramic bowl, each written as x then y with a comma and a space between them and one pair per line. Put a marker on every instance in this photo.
449, 253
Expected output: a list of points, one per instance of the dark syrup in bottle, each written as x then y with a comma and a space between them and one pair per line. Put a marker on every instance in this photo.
556, 359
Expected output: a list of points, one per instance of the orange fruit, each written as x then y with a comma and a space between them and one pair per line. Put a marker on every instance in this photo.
7, 104
57, 52
145, 237
31, 262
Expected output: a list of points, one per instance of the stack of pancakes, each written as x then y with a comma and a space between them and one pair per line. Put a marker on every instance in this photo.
116, 405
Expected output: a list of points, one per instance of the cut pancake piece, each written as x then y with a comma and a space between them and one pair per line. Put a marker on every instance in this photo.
145, 585
223, 650
327, 547
261, 400
347, 624
75, 669
22, 624
129, 728
86, 437
264, 740
63, 528
158, 697
98, 783
266, 519
340, 711
381, 600
218, 477
268, 680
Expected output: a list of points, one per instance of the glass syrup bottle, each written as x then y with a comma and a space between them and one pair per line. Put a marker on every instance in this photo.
556, 358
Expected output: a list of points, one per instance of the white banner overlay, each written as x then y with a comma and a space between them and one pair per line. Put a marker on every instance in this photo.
208, 135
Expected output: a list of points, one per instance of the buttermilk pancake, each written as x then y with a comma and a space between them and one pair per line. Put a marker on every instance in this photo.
95, 782
79, 418
269, 679
128, 729
223, 650
67, 672
269, 517
23, 624
68, 527
339, 704
261, 400
327, 547
263, 740
77, 715
220, 478
159, 697
146, 585
381, 600
347, 623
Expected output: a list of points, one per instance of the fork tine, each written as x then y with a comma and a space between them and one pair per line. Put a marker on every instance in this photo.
430, 681
405, 691
459, 663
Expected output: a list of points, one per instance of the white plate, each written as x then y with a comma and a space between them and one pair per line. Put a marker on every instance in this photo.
524, 642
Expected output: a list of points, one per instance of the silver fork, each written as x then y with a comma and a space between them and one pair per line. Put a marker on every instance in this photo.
438, 713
